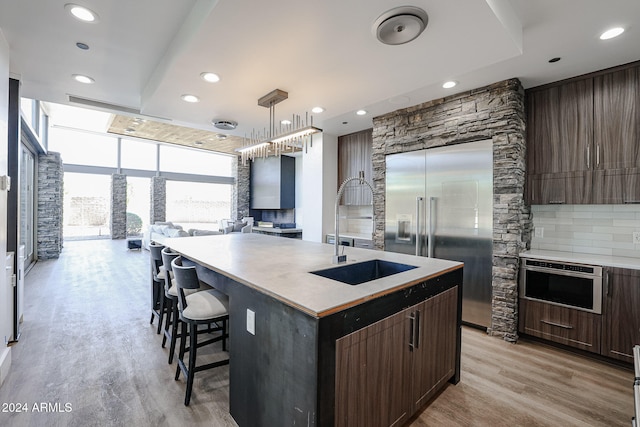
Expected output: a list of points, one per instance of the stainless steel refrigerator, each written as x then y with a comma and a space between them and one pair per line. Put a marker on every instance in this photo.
439, 203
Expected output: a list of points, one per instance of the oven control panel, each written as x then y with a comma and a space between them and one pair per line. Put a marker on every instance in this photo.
561, 266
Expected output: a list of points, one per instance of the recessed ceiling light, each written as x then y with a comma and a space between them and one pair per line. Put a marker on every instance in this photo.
317, 110
449, 84
361, 112
82, 46
190, 98
82, 78
210, 77
222, 136
285, 122
81, 12
198, 143
556, 59
611, 33
129, 130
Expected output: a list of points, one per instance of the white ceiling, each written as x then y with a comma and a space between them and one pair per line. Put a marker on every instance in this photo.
144, 54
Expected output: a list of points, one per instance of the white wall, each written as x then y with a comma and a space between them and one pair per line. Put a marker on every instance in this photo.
6, 291
319, 186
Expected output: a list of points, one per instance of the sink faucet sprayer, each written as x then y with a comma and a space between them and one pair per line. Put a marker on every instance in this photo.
337, 259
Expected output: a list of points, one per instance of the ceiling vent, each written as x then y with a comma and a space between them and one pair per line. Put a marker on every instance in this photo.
400, 25
225, 124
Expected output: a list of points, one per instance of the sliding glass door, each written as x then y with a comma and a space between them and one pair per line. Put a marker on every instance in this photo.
27, 197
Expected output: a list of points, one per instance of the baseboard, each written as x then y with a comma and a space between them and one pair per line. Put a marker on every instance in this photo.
5, 363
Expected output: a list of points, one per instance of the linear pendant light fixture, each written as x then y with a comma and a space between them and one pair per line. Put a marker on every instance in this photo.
296, 134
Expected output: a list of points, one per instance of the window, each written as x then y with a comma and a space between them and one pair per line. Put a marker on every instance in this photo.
83, 148
138, 155
138, 204
198, 204
87, 201
27, 108
184, 160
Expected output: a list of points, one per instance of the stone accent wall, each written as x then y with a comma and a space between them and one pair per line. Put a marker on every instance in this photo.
493, 112
49, 217
118, 206
158, 199
241, 190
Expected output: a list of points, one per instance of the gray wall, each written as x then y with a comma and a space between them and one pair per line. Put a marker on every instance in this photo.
240, 198
493, 112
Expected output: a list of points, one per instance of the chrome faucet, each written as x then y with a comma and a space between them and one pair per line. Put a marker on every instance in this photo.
337, 258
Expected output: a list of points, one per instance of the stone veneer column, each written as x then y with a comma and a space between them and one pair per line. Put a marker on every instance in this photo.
158, 199
240, 198
118, 206
493, 112
49, 218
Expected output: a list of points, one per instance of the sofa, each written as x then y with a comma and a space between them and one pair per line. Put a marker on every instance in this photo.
169, 229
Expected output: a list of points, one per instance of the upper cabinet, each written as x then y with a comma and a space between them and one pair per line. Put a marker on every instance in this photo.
583, 142
354, 156
616, 112
273, 182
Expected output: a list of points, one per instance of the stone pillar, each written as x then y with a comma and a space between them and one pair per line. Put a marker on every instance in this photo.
49, 218
240, 197
158, 199
493, 112
118, 206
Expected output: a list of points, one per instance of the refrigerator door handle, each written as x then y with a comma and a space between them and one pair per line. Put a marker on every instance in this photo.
431, 243
418, 233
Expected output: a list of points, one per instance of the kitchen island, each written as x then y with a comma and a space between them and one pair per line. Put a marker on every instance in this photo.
308, 350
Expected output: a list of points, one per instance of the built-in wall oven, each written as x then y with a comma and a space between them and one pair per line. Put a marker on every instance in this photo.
571, 285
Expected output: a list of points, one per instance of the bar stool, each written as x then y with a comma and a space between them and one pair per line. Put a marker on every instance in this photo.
171, 293
157, 284
199, 308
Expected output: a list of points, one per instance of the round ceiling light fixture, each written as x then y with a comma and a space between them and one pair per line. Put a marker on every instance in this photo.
400, 25
222, 136
81, 12
83, 79
225, 124
361, 112
611, 33
190, 98
210, 77
317, 110
449, 84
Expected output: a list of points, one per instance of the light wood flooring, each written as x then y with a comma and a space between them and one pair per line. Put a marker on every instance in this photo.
86, 341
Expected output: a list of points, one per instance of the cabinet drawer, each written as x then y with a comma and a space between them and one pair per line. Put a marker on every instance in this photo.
563, 325
363, 243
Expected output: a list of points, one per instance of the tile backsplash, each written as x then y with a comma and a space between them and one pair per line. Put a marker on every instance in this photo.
356, 219
592, 229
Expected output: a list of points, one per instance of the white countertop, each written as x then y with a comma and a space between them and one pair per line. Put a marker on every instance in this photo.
281, 268
580, 258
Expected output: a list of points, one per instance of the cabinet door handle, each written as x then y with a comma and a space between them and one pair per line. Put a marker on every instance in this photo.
416, 330
412, 331
598, 155
588, 158
606, 282
559, 325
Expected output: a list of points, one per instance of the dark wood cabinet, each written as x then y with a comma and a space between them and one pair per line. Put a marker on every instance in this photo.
560, 123
355, 156
575, 328
621, 330
584, 139
388, 370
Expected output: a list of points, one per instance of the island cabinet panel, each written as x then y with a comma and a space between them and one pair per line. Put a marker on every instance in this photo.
387, 371
370, 365
621, 320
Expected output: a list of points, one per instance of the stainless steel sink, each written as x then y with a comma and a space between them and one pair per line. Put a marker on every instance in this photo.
361, 272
